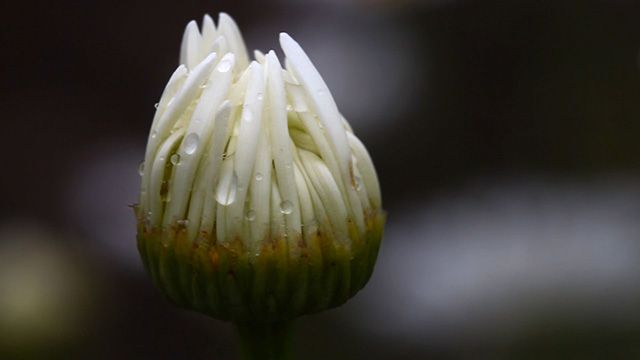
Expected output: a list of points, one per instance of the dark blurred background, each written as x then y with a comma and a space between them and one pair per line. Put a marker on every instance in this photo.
506, 136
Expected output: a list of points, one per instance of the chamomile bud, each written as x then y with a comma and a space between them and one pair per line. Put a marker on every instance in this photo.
258, 203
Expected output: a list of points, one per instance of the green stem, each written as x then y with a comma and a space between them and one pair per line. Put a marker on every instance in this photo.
265, 340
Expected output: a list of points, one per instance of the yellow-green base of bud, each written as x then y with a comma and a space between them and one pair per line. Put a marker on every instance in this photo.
278, 284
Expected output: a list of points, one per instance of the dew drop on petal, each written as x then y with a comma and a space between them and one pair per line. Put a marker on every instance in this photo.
320, 92
141, 168
289, 108
175, 159
247, 114
286, 207
358, 183
226, 190
260, 96
190, 143
250, 215
258, 176
224, 66
156, 105
154, 134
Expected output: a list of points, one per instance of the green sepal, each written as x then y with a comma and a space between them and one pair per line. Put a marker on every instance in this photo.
279, 283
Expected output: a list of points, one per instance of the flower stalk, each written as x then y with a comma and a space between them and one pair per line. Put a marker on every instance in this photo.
265, 341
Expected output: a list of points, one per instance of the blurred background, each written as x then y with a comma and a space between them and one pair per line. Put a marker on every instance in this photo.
506, 136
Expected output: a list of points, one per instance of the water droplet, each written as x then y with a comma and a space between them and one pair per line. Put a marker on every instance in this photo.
250, 215
161, 158
258, 176
203, 85
175, 159
260, 96
156, 105
154, 134
224, 66
141, 168
289, 108
190, 143
358, 183
320, 92
247, 114
226, 191
286, 207
288, 166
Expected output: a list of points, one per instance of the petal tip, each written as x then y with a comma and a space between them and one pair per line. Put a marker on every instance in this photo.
285, 38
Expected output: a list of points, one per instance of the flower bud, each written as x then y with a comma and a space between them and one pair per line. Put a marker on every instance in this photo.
257, 201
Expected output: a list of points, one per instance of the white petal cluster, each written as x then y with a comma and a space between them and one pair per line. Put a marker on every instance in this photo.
247, 150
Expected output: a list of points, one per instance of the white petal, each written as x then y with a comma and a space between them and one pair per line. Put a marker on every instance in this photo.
325, 185
277, 221
260, 191
250, 121
176, 107
183, 97
225, 195
321, 100
220, 135
229, 29
259, 56
219, 46
320, 97
170, 89
199, 130
157, 168
302, 184
208, 32
368, 172
191, 49
280, 140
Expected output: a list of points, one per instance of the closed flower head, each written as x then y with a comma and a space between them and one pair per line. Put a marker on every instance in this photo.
257, 201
